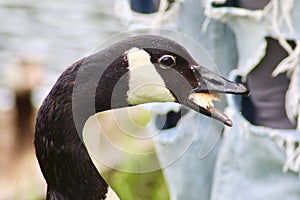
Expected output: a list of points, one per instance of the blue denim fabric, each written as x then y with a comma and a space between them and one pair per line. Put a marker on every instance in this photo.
255, 162
279, 20
195, 139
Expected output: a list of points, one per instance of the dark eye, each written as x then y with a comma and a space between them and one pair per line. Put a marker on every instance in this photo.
167, 60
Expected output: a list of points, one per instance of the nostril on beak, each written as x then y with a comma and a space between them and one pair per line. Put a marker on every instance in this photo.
212, 82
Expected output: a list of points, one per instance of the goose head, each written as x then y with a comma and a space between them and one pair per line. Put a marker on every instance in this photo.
151, 68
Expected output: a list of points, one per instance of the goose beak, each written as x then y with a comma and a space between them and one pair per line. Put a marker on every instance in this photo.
210, 85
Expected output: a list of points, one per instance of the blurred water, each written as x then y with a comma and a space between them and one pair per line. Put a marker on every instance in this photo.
57, 33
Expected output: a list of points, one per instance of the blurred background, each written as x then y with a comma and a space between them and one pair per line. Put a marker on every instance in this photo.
38, 40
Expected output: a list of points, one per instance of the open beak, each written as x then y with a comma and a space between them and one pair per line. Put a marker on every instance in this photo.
210, 85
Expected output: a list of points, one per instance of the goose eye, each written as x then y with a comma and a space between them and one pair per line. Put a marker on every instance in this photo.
167, 60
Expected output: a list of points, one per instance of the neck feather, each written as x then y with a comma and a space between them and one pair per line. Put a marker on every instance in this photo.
63, 158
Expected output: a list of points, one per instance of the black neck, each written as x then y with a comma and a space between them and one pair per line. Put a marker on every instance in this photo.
63, 158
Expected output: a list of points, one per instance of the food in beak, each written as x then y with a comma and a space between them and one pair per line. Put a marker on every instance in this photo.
203, 103
210, 85
205, 100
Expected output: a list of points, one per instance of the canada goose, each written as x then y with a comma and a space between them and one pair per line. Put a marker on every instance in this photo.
137, 70
22, 77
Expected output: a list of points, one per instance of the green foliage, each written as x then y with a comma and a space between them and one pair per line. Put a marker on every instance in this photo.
143, 186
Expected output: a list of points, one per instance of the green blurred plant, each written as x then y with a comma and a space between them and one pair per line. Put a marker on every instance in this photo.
144, 186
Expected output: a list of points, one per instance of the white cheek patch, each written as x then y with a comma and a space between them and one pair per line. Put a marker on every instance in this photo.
137, 58
145, 83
